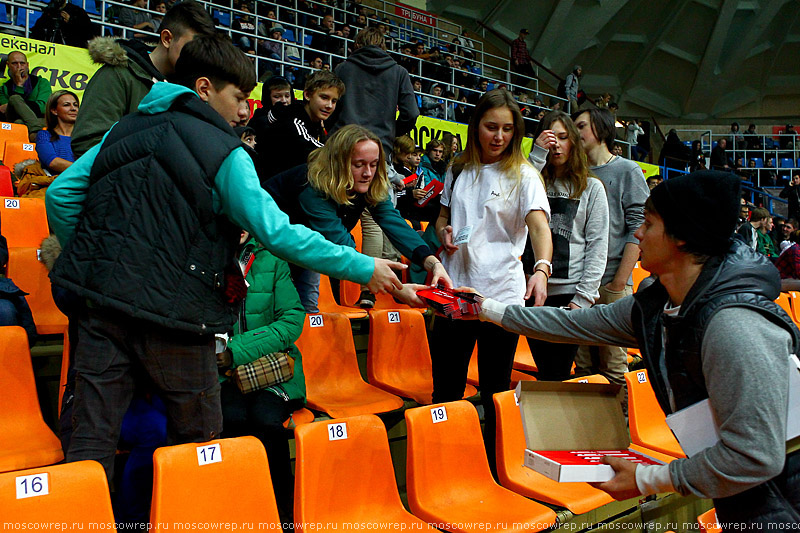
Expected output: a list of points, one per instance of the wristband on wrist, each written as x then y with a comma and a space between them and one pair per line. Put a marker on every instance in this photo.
545, 262
543, 271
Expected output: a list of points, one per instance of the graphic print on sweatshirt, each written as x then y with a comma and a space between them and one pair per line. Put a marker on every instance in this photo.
562, 216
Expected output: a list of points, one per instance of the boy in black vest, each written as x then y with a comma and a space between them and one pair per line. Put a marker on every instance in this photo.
728, 343
149, 220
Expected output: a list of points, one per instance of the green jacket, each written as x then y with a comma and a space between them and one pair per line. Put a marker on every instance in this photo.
39, 94
115, 90
273, 319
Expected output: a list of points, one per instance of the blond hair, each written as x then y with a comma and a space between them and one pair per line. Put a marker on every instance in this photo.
512, 160
329, 167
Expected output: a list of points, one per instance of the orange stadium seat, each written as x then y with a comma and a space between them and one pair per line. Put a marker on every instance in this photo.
513, 474
708, 522
646, 418
448, 477
16, 152
473, 378
333, 381
25, 440
338, 450
6, 186
398, 356
24, 222
12, 132
301, 416
794, 298
523, 359
62, 381
73, 495
638, 274
327, 303
30, 275
785, 301
223, 481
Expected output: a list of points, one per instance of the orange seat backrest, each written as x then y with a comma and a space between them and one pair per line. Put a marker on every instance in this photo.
25, 440
444, 455
785, 301
708, 522
329, 354
17, 151
396, 346
638, 274
224, 480
327, 303
24, 221
10, 131
646, 419
338, 450
72, 494
30, 275
6, 187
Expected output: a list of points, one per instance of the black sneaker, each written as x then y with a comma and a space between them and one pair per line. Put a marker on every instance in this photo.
366, 300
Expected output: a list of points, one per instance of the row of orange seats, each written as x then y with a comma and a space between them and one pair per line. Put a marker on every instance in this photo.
15, 146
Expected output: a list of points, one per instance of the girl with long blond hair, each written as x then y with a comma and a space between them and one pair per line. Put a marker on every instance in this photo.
328, 195
493, 199
579, 226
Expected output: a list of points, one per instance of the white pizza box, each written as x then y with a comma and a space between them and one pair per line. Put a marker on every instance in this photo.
559, 416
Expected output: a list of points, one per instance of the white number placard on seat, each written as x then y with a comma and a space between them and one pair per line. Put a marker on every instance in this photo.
438, 414
337, 431
12, 203
27, 147
394, 317
6, 126
583, 381
315, 321
209, 454
641, 377
33, 485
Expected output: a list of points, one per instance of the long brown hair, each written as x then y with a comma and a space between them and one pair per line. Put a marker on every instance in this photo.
50, 119
329, 167
512, 160
576, 171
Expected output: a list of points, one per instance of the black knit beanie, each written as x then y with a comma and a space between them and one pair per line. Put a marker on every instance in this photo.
701, 208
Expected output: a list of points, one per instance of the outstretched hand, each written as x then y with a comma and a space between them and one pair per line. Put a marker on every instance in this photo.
383, 277
623, 485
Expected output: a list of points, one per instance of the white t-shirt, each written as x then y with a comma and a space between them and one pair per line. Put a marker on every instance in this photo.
493, 226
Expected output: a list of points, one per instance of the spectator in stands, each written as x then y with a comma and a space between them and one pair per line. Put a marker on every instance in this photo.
315, 64
433, 106
137, 19
753, 140
160, 6
408, 61
697, 158
711, 309
272, 320
789, 226
788, 138
521, 60
744, 213
613, 107
367, 72
737, 141
292, 132
463, 112
572, 86
792, 194
491, 241
749, 231
176, 309
246, 28
452, 146
14, 310
53, 144
278, 91
360, 22
247, 135
326, 39
654, 181
273, 49
325, 197
432, 164
406, 161
634, 129
765, 245
24, 96
63, 22
129, 69
788, 263
719, 156
627, 192
579, 229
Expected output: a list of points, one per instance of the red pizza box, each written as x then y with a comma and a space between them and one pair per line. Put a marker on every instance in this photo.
580, 465
569, 426
409, 179
450, 303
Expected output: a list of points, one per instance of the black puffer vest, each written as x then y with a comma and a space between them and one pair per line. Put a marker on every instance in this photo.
742, 278
149, 243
